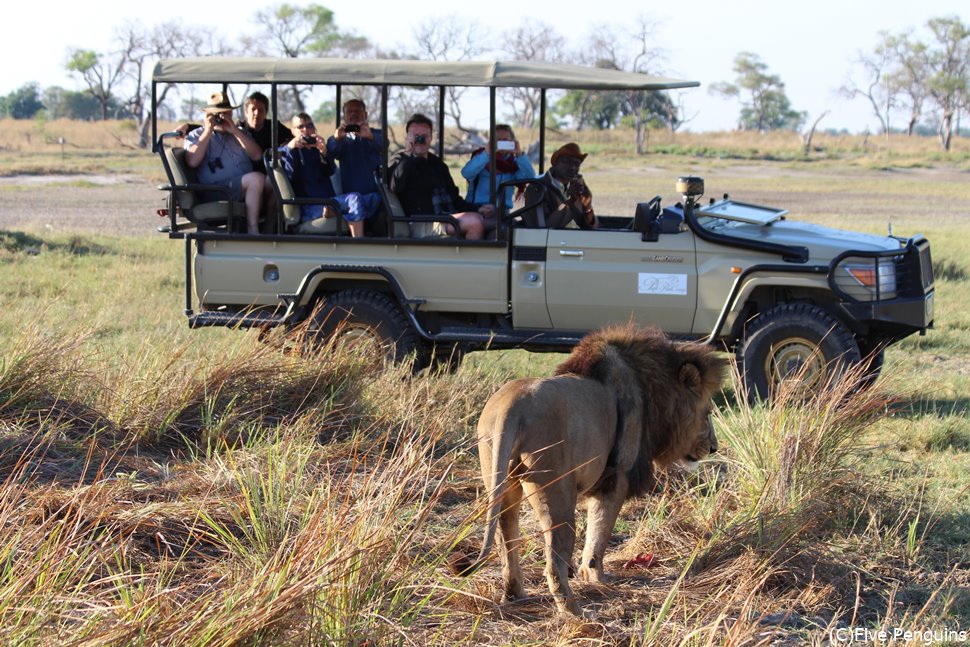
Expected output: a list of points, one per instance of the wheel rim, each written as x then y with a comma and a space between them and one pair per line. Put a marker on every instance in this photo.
795, 363
357, 336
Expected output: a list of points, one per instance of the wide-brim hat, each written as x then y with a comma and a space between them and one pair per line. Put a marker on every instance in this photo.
218, 102
569, 150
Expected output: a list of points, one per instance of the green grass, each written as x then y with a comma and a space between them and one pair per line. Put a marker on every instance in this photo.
160, 485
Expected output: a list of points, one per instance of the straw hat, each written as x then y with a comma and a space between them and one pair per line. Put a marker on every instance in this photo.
218, 102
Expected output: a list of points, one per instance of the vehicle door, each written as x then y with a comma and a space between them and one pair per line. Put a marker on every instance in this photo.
612, 276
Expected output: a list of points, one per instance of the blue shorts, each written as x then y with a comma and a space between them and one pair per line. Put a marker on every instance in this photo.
352, 206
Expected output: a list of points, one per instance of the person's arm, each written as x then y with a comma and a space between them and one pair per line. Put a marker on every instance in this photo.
249, 145
399, 173
524, 170
475, 165
195, 148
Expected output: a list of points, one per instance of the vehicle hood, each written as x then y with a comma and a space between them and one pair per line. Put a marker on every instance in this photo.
823, 243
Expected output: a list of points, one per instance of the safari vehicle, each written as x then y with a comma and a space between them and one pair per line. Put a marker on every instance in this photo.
793, 301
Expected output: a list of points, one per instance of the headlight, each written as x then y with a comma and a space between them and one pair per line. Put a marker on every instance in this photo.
870, 279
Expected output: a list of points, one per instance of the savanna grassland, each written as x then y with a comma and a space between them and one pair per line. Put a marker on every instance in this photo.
166, 486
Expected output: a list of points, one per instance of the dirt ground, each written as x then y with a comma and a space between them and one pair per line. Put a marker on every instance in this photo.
108, 204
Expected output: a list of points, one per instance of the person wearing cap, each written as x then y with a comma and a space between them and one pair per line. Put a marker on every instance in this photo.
223, 154
566, 201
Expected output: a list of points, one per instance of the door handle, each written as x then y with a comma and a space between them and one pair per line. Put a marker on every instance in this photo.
571, 252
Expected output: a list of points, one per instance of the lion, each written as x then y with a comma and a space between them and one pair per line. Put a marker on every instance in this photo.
625, 398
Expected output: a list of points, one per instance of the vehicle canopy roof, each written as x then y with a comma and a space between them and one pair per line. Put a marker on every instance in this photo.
486, 74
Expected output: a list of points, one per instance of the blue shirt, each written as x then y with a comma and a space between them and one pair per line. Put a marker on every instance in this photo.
359, 158
477, 174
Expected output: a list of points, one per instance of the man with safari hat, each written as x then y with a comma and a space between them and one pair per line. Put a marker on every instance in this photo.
566, 201
223, 154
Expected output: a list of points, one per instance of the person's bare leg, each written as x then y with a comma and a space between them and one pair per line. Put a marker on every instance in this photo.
471, 225
252, 186
356, 228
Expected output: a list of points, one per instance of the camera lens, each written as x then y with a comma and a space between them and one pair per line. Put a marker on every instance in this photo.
420, 139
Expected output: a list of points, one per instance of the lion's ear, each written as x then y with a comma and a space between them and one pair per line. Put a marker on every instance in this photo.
690, 375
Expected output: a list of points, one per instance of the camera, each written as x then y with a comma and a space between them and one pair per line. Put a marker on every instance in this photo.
351, 128
309, 140
218, 119
505, 145
420, 139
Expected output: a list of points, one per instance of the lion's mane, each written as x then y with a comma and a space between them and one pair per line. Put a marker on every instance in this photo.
659, 366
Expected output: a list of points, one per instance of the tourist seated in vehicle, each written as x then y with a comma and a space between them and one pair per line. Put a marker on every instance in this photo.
357, 148
424, 184
309, 167
255, 109
567, 201
224, 154
511, 163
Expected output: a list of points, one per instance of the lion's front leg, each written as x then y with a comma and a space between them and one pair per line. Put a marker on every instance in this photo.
603, 510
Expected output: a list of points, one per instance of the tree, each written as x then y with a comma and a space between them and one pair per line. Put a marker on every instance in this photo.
450, 39
600, 110
638, 109
764, 104
910, 71
536, 41
947, 83
22, 103
101, 74
880, 86
292, 31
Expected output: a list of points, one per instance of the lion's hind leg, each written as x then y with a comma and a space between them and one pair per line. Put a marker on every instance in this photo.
509, 541
555, 505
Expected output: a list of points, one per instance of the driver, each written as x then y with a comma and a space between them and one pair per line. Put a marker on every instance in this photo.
567, 202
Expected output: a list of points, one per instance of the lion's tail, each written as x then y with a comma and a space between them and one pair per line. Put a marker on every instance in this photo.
502, 451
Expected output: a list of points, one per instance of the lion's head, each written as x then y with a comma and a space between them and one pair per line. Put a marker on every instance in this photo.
677, 380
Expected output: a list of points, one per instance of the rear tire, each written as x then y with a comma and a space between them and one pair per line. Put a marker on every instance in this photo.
794, 346
363, 316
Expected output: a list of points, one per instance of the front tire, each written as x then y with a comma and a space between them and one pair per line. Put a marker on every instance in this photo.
365, 317
794, 347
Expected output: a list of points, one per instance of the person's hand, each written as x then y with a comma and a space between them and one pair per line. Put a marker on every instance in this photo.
580, 195
182, 130
365, 131
486, 209
518, 149
341, 131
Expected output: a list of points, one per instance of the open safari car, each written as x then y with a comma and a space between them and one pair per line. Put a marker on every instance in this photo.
793, 301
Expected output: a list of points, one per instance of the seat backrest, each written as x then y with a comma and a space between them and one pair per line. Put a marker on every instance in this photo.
180, 175
284, 190
397, 218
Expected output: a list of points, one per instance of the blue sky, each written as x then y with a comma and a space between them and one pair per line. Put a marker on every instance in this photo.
809, 45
